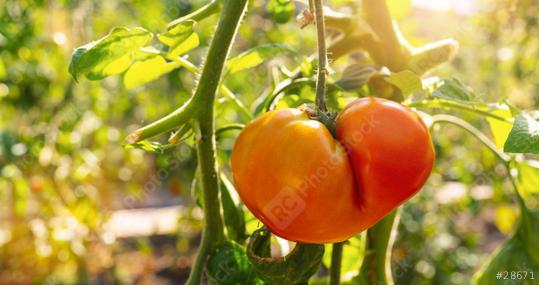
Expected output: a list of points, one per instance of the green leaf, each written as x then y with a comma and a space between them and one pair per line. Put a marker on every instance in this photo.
356, 75
407, 81
232, 211
3, 72
524, 137
147, 70
180, 39
149, 146
109, 55
255, 56
500, 129
228, 265
281, 10
528, 176
518, 254
295, 268
453, 90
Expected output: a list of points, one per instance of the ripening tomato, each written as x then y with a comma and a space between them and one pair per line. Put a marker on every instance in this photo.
306, 186
296, 178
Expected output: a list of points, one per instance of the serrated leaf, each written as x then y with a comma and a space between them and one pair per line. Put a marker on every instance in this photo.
356, 75
453, 90
180, 39
500, 129
109, 55
524, 136
407, 81
281, 10
147, 70
147, 146
255, 56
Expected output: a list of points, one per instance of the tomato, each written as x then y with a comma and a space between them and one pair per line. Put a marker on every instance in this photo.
307, 186
391, 152
296, 178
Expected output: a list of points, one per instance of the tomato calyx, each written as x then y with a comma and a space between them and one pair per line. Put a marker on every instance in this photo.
327, 118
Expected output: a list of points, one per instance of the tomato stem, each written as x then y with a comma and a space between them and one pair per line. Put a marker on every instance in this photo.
336, 261
505, 158
203, 99
376, 265
200, 14
322, 56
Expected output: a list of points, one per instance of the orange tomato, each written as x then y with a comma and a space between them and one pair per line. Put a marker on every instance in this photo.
306, 186
296, 178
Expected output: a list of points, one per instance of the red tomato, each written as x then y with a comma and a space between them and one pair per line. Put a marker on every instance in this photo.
391, 152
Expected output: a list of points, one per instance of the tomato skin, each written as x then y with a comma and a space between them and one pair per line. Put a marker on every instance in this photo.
296, 178
391, 151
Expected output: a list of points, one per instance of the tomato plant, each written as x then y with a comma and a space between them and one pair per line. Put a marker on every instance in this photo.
306, 143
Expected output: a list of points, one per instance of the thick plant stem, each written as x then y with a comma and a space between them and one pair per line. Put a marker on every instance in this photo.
376, 266
392, 53
322, 56
336, 261
204, 98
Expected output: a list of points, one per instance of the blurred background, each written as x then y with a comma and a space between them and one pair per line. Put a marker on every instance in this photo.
76, 207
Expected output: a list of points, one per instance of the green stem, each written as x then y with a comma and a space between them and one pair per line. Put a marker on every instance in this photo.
376, 266
336, 262
322, 56
506, 159
202, 13
453, 105
204, 97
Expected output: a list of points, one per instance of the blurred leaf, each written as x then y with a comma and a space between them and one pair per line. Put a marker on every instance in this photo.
353, 252
505, 218
524, 137
147, 70
228, 265
500, 129
528, 175
2, 70
519, 253
407, 81
453, 90
356, 75
281, 10
180, 39
109, 55
149, 146
295, 268
255, 56
232, 211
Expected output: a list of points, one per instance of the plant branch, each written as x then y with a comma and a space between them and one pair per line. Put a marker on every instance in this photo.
449, 104
204, 97
391, 52
322, 56
506, 159
336, 261
202, 13
376, 265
